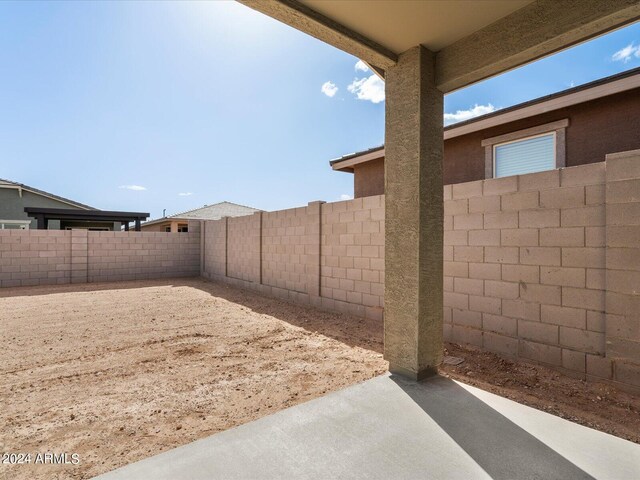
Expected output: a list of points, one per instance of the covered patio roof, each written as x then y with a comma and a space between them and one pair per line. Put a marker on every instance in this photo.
473, 40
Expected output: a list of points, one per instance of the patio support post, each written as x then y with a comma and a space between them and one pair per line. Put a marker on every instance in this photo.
414, 216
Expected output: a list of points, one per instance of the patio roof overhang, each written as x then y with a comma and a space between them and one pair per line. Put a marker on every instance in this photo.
427, 49
43, 215
473, 40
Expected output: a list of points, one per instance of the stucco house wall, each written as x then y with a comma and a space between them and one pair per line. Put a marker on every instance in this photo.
368, 178
12, 206
13, 202
162, 227
596, 128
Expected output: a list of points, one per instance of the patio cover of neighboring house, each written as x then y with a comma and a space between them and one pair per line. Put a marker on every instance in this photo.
424, 50
43, 215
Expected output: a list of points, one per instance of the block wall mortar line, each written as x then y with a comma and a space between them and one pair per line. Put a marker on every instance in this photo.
319, 282
226, 246
203, 236
260, 234
86, 265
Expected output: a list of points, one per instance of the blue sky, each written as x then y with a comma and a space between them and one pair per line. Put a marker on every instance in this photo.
212, 101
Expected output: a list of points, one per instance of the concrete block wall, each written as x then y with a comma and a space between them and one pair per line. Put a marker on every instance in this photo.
119, 256
290, 249
622, 279
243, 247
214, 248
43, 257
524, 266
300, 254
80, 256
34, 257
541, 267
352, 261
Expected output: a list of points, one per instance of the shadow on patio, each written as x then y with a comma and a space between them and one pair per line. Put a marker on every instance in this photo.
387, 428
503, 449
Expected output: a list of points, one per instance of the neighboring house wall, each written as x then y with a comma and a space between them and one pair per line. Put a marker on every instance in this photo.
541, 267
41, 257
598, 127
12, 208
161, 227
157, 227
368, 178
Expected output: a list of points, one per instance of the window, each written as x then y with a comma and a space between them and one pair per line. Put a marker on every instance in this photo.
183, 228
167, 229
534, 149
15, 224
533, 154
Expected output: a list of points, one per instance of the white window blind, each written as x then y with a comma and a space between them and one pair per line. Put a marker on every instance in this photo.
533, 154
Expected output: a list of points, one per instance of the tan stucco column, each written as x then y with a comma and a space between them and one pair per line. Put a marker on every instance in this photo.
414, 216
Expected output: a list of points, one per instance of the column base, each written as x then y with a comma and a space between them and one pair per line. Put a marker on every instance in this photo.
411, 375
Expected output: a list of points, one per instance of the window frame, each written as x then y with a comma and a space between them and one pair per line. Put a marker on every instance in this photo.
555, 150
558, 127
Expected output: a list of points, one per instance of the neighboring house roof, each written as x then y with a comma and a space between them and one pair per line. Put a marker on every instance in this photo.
209, 212
21, 186
347, 161
603, 87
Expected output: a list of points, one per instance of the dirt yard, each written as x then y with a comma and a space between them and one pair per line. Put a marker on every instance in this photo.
119, 372
595, 405
116, 373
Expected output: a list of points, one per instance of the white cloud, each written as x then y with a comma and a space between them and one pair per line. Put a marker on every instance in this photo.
329, 89
368, 88
345, 196
462, 115
185, 194
361, 66
137, 188
624, 54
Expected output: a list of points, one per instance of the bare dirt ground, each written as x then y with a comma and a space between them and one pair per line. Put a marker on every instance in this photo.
120, 372
595, 405
117, 373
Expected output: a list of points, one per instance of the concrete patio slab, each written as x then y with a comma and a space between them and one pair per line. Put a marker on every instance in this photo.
389, 428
